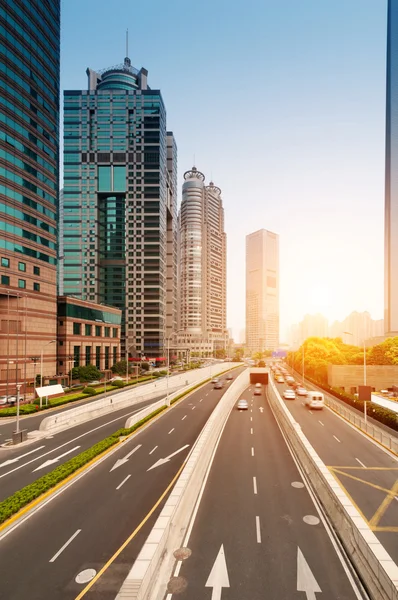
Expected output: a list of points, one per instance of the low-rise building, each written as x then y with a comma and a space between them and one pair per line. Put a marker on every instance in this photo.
349, 377
87, 334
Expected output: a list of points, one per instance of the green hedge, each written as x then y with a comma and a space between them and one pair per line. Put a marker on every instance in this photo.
18, 500
89, 391
118, 383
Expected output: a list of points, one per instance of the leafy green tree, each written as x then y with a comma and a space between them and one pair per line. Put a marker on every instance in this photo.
120, 368
219, 353
87, 373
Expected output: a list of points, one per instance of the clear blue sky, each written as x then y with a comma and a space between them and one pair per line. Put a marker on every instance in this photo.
283, 105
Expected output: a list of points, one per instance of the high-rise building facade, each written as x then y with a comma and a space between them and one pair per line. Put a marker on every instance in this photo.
29, 176
202, 266
120, 205
391, 176
262, 291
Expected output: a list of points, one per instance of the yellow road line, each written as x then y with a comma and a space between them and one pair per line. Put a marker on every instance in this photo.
385, 529
131, 536
375, 520
350, 497
373, 485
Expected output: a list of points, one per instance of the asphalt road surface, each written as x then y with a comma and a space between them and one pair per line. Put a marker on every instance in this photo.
257, 533
82, 527
368, 473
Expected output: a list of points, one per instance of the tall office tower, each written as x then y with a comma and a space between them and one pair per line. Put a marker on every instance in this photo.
120, 205
391, 176
29, 148
202, 266
262, 291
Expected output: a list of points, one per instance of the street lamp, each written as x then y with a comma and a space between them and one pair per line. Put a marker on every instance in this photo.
18, 399
364, 370
168, 362
34, 359
127, 362
41, 365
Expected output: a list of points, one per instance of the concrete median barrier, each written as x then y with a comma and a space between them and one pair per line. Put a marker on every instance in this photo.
375, 566
153, 567
123, 399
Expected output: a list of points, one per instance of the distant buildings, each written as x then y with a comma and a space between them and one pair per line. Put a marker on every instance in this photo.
262, 291
29, 157
391, 175
120, 204
202, 323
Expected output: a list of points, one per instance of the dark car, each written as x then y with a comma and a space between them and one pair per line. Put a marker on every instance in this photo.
218, 385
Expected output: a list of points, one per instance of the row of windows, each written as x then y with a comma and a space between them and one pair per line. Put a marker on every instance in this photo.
5, 280
88, 330
13, 212
5, 245
38, 239
5, 262
26, 133
76, 356
11, 141
26, 184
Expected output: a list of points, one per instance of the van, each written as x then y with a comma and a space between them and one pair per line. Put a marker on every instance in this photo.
314, 400
258, 389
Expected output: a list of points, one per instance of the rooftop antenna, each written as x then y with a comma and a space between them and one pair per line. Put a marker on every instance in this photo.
194, 160
127, 42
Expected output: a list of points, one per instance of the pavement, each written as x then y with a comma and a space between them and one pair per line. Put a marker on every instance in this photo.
102, 520
257, 533
367, 472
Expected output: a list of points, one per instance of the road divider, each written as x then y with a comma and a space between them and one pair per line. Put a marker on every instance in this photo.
373, 563
149, 575
87, 412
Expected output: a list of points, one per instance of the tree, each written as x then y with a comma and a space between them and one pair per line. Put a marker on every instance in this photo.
120, 368
219, 353
145, 366
87, 373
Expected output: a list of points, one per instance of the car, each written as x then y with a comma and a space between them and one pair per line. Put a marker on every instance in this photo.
289, 379
242, 404
280, 379
214, 380
289, 395
301, 391
218, 385
94, 382
3, 400
230, 377
258, 389
314, 400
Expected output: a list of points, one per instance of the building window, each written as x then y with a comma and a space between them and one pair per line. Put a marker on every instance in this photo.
98, 357
107, 332
22, 283
77, 328
61, 323
115, 332
36, 287
98, 330
36, 270
22, 266
114, 355
61, 343
88, 329
106, 357
5, 262
76, 356
5, 280
88, 355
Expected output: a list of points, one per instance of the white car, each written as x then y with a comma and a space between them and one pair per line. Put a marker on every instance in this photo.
242, 404
3, 400
301, 391
314, 400
289, 395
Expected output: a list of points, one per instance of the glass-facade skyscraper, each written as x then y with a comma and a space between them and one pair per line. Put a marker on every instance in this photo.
391, 185
29, 149
119, 204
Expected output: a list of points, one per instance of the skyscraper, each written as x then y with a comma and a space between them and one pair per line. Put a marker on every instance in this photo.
29, 148
120, 205
391, 176
262, 291
202, 266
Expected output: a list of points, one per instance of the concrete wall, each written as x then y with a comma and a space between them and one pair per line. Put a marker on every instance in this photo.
379, 377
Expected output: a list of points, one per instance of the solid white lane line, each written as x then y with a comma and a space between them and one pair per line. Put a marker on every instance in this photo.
252, 451
255, 485
124, 481
171, 430
337, 439
251, 430
361, 463
184, 417
258, 532
193, 408
153, 450
322, 424
54, 558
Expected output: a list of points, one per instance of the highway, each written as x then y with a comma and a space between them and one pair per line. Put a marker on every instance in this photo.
257, 533
82, 527
368, 473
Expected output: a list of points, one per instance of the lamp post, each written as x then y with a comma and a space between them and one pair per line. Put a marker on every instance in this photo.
168, 363
127, 362
41, 365
18, 399
303, 363
34, 359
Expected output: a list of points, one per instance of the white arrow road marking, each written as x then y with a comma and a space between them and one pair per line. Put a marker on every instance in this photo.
121, 461
218, 577
261, 409
54, 558
54, 460
161, 461
306, 581
11, 461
